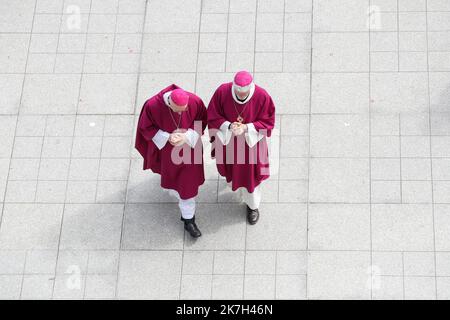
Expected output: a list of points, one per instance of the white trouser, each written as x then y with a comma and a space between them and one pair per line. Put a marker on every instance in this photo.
187, 207
251, 199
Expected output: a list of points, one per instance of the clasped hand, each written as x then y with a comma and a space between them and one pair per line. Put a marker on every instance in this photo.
177, 139
238, 128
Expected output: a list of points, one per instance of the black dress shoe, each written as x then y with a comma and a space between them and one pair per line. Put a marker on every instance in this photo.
252, 215
191, 227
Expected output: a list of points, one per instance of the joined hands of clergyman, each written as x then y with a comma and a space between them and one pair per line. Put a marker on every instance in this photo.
177, 138
238, 128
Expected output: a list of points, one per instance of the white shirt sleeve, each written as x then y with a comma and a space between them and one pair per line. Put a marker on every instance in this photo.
160, 138
192, 137
224, 134
252, 136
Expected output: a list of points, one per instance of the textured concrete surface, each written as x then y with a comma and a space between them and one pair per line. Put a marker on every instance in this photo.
358, 205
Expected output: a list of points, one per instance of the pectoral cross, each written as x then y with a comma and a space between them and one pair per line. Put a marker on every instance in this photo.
240, 119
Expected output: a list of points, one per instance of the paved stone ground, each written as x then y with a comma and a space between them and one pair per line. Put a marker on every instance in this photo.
359, 202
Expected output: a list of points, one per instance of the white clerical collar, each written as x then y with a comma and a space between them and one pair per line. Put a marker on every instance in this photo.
166, 96
252, 90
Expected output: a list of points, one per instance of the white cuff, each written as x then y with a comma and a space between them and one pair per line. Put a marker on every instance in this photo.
192, 137
160, 139
252, 136
224, 134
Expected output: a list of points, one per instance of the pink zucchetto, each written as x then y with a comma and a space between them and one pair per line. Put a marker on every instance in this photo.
243, 79
179, 97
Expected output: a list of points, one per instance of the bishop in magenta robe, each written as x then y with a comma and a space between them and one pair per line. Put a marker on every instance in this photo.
168, 138
241, 116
